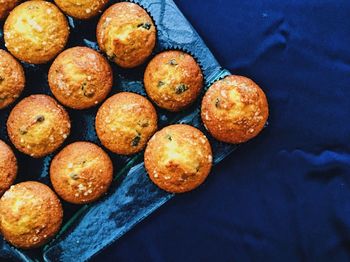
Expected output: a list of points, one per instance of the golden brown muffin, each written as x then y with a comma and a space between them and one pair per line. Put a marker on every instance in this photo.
126, 33
6, 6
80, 78
125, 122
81, 9
234, 109
173, 80
30, 214
8, 167
12, 79
38, 125
81, 173
36, 31
178, 158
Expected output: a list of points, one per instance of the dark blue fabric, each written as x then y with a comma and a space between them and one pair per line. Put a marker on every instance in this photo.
285, 196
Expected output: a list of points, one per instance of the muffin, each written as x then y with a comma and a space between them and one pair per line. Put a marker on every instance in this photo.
12, 79
234, 109
173, 80
30, 214
36, 31
8, 167
38, 125
125, 122
6, 6
81, 9
81, 173
178, 158
80, 78
126, 33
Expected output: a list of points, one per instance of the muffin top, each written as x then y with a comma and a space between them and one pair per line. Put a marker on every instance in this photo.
36, 31
38, 125
12, 79
81, 9
81, 172
8, 167
6, 6
173, 80
80, 78
126, 33
234, 109
30, 214
178, 158
125, 122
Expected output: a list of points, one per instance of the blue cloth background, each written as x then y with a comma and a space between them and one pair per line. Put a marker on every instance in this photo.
285, 196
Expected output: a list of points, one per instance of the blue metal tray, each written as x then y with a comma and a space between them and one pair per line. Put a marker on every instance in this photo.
132, 197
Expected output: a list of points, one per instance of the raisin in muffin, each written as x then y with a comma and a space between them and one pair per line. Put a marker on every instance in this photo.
12, 79
126, 33
81, 9
30, 214
8, 167
81, 173
36, 31
125, 122
173, 80
234, 109
178, 158
38, 125
6, 6
80, 78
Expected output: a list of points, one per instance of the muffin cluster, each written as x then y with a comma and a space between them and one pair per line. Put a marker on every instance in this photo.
178, 158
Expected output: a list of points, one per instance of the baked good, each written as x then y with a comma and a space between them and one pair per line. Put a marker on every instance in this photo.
81, 173
125, 122
36, 31
6, 6
178, 158
173, 80
80, 78
8, 167
81, 9
126, 33
38, 125
234, 109
30, 214
12, 79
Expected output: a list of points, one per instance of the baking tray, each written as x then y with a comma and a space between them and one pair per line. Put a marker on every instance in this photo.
132, 197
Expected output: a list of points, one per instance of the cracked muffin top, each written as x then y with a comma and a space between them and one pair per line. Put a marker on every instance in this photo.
127, 34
